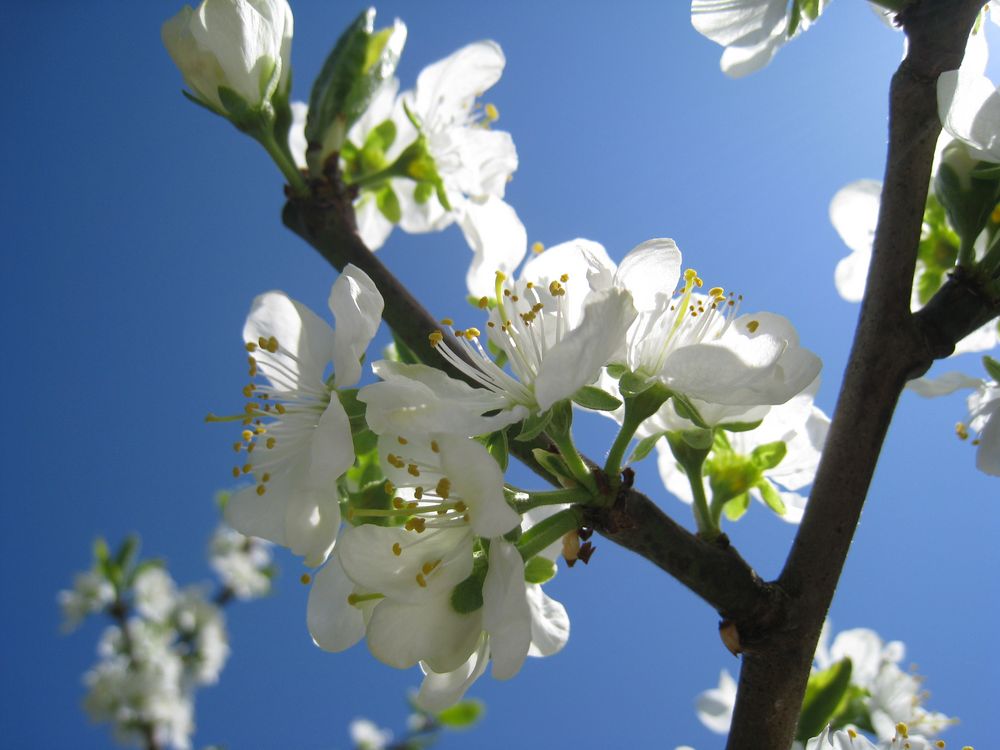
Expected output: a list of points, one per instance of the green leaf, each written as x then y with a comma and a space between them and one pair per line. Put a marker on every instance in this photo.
591, 397
462, 715
388, 204
238, 109
824, 694
771, 497
423, 192
404, 353
127, 552
533, 426
101, 552
769, 455
539, 570
992, 367
354, 408
496, 444
735, 508
644, 447
359, 63
794, 16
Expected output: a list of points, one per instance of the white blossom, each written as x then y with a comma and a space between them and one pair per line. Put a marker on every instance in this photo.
366, 735
242, 563
242, 45
297, 436
155, 593
91, 593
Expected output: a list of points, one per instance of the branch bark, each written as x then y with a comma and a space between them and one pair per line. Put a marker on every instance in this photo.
890, 346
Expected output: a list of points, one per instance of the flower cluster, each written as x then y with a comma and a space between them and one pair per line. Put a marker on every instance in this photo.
876, 696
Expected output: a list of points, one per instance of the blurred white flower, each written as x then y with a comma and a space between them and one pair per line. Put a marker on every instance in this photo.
155, 593
242, 563
715, 705
366, 735
91, 593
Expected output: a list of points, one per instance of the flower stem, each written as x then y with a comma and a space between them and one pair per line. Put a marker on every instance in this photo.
525, 501
638, 409
692, 460
286, 165
542, 534
573, 460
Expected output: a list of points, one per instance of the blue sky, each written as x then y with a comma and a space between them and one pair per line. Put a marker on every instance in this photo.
138, 228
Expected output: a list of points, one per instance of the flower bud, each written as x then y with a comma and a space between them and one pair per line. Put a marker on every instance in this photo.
233, 50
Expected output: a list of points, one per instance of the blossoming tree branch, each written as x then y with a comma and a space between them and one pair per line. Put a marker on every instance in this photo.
396, 491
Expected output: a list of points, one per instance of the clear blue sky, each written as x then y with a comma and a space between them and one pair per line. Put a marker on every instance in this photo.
137, 229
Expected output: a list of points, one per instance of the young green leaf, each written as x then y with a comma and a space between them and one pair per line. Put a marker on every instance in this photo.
590, 397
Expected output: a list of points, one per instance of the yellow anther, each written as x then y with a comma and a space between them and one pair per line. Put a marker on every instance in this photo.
272, 345
716, 291
415, 524
940, 744
443, 488
237, 447
564, 278
398, 503
280, 408
690, 275
401, 440
412, 505
271, 442
265, 477
261, 489
412, 470
389, 487
530, 285
259, 429
537, 248
419, 493
492, 113
461, 507
421, 581
459, 333
472, 333
251, 447
851, 733
514, 298
427, 567
753, 325
483, 303
902, 730
305, 579
247, 468
435, 338
236, 472
556, 289
698, 282
251, 407
466, 518
995, 215
262, 342
962, 431
397, 550
447, 322
248, 390
435, 447
491, 324
251, 346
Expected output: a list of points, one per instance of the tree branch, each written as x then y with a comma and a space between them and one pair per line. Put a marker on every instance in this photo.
890, 345
713, 571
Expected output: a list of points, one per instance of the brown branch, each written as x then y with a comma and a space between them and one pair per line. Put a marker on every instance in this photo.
713, 571
890, 345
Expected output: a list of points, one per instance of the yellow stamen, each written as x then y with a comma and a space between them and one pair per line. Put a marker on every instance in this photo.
435, 338
537, 248
753, 325
397, 550
305, 578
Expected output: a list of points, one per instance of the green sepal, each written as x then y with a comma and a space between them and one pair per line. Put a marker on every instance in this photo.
967, 197
769, 455
561, 421
127, 553
101, 553
498, 447
688, 411
462, 715
699, 439
255, 121
423, 192
630, 384
403, 353
591, 397
388, 204
992, 367
688, 456
202, 103
985, 170
740, 426
824, 694
616, 370
794, 16
735, 508
360, 62
533, 426
467, 596
771, 496
644, 447
553, 464
539, 570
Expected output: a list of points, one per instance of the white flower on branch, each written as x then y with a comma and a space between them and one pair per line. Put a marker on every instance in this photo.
297, 436
242, 563
240, 45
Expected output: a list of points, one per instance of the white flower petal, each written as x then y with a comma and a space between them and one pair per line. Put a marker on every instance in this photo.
549, 623
334, 624
942, 385
715, 707
438, 691
401, 634
312, 519
357, 311
477, 479
969, 106
259, 515
506, 612
332, 449
650, 272
577, 359
497, 238
451, 84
